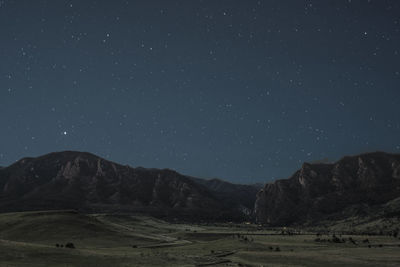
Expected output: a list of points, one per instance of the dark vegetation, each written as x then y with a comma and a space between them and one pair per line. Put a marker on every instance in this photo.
68, 245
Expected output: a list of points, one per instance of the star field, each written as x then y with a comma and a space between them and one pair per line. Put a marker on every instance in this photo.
242, 90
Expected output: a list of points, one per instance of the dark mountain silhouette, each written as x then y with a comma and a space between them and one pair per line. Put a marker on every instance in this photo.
237, 195
83, 181
354, 186
363, 185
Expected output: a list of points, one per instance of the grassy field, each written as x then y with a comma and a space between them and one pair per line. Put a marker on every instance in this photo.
30, 238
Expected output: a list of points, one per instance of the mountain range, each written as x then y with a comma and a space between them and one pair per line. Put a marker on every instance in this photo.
362, 186
85, 182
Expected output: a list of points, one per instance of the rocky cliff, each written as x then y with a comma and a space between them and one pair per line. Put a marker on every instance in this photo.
352, 186
86, 182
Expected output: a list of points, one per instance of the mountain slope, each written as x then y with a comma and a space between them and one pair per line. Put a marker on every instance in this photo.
352, 186
241, 195
83, 181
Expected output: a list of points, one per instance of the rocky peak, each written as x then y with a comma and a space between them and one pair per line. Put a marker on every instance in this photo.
84, 181
319, 190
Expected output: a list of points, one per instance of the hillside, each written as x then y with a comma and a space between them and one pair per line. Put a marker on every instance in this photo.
363, 186
85, 182
241, 195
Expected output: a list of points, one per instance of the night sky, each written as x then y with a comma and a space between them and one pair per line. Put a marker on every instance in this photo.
241, 90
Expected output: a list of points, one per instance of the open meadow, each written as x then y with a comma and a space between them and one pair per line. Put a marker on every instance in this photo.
67, 238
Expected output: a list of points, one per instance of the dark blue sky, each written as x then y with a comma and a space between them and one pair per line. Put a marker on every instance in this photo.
241, 90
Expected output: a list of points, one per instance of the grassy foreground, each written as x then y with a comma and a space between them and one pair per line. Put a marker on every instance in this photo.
30, 238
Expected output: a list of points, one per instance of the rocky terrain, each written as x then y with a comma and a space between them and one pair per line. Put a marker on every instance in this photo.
363, 186
83, 181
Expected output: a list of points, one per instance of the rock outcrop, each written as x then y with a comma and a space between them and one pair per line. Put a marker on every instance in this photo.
330, 191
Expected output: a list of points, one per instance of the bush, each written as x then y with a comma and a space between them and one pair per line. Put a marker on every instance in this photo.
395, 234
335, 239
352, 240
70, 245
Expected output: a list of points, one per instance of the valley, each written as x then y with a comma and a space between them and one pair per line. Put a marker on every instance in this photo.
35, 239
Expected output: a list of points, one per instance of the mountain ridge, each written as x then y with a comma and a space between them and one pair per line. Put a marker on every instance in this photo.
84, 181
323, 191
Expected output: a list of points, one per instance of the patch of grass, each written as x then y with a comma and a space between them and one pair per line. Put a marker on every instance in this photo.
30, 238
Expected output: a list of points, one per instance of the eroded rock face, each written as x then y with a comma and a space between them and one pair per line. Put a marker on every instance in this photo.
319, 191
84, 181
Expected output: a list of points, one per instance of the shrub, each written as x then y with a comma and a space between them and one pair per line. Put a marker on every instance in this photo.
335, 239
70, 245
395, 234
